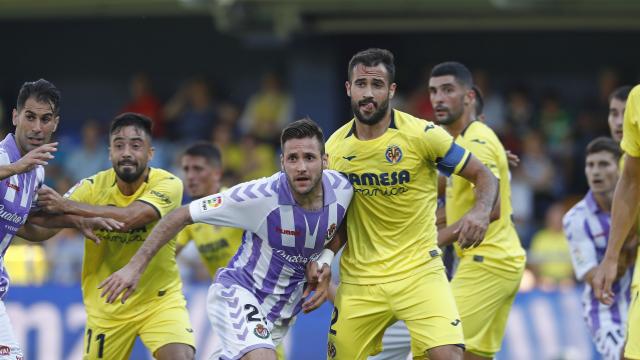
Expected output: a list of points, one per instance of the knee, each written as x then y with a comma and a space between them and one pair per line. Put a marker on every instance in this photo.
176, 352
446, 352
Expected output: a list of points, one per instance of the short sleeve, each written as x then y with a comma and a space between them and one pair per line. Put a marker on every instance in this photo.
449, 157
81, 192
164, 195
583, 251
631, 132
486, 152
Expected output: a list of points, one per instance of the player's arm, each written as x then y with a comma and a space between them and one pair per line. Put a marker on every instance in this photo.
623, 214
447, 235
127, 278
40, 227
38, 156
133, 216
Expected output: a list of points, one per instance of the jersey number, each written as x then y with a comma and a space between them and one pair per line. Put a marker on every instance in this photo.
334, 318
253, 311
99, 339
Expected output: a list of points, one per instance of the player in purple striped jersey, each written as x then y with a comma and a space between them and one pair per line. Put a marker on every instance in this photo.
587, 227
288, 219
22, 157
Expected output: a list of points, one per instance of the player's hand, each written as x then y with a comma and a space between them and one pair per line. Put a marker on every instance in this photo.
50, 201
513, 159
473, 226
38, 156
321, 288
87, 225
124, 280
603, 278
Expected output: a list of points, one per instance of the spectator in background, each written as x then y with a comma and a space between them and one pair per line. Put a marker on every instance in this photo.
268, 111
494, 106
549, 256
192, 112
538, 171
617, 105
555, 123
143, 101
91, 157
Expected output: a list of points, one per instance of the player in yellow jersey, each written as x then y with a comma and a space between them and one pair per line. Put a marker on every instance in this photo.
488, 276
391, 268
138, 196
202, 166
626, 201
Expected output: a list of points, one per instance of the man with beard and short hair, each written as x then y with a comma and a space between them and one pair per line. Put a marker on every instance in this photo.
391, 268
488, 276
289, 218
138, 196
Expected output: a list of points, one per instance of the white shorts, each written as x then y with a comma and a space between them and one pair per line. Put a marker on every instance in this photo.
609, 341
240, 322
396, 343
9, 348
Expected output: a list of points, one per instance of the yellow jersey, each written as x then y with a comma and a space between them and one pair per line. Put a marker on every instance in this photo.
160, 283
391, 220
501, 246
630, 144
216, 244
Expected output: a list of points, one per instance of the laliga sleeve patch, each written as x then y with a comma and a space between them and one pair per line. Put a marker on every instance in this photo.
211, 203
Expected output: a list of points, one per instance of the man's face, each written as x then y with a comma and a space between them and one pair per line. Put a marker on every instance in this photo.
201, 178
616, 117
34, 123
130, 151
448, 98
601, 169
303, 164
370, 92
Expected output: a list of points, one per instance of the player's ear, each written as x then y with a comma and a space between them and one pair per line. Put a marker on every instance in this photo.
14, 117
392, 90
56, 121
469, 97
325, 161
152, 151
347, 85
282, 162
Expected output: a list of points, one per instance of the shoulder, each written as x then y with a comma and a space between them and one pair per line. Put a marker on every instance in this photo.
259, 190
338, 181
410, 125
157, 174
339, 134
576, 215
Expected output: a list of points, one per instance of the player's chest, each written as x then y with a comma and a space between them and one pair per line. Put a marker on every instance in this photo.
299, 233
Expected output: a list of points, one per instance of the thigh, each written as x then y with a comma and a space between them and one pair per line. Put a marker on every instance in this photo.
632, 349
106, 339
166, 325
239, 321
360, 315
426, 304
9, 348
396, 343
484, 300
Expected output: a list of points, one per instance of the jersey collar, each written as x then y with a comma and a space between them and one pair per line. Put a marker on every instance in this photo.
592, 205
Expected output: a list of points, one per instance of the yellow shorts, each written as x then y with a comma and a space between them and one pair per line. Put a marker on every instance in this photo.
484, 300
632, 349
113, 340
362, 313
280, 352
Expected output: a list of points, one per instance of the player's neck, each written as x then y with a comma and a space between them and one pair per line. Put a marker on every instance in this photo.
604, 200
370, 132
128, 189
457, 127
313, 201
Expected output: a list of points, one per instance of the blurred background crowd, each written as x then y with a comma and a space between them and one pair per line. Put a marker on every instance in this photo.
545, 94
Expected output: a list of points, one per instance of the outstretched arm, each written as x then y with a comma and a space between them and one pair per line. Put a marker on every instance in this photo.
127, 278
40, 227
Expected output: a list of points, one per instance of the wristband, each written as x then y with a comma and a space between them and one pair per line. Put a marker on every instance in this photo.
326, 257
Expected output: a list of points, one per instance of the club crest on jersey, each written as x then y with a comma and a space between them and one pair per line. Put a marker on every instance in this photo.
331, 350
393, 154
211, 203
261, 331
331, 232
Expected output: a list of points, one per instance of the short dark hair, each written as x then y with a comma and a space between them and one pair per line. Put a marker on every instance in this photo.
139, 121
460, 72
621, 93
604, 143
300, 129
479, 100
206, 150
373, 57
43, 91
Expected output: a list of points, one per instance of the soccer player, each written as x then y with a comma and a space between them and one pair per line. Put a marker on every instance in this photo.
624, 213
617, 105
587, 226
488, 276
391, 267
288, 218
202, 166
138, 196
22, 157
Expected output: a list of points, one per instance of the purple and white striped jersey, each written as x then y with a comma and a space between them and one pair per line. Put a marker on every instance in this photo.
587, 229
280, 237
17, 194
